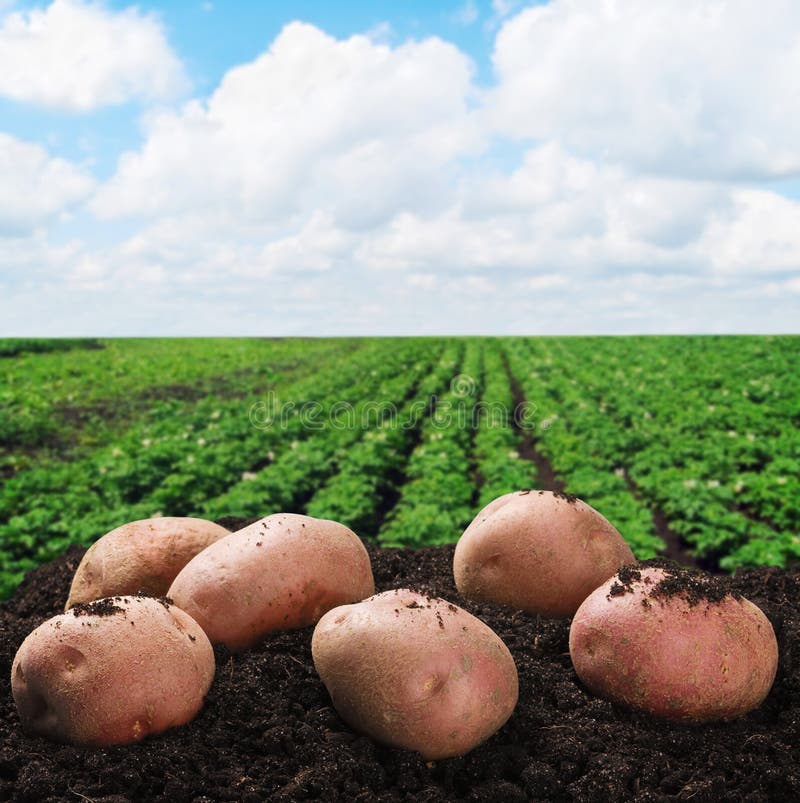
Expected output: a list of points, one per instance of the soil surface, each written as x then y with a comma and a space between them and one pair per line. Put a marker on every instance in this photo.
268, 732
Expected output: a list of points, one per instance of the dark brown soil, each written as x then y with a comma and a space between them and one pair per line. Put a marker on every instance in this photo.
268, 732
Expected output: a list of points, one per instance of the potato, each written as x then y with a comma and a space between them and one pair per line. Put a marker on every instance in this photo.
539, 551
281, 573
415, 672
111, 672
674, 644
141, 556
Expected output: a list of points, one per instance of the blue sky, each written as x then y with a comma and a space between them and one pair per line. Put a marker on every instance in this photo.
391, 168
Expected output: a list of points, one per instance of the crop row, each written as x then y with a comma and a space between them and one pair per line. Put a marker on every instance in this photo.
405, 440
340, 428
591, 473
63, 404
704, 434
437, 499
372, 471
498, 420
173, 465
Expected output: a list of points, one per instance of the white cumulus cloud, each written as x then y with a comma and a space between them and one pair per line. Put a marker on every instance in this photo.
759, 234
80, 55
693, 88
35, 187
557, 210
340, 186
350, 127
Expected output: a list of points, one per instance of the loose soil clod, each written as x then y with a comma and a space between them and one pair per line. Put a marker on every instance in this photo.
269, 733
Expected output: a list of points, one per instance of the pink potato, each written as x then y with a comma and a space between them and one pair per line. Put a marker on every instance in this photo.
674, 644
141, 556
415, 672
281, 573
111, 672
539, 551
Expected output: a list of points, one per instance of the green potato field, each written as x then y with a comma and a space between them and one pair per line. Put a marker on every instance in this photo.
689, 445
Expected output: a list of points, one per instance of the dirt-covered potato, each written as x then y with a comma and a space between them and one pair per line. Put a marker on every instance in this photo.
112, 671
539, 551
280, 573
415, 672
674, 644
143, 555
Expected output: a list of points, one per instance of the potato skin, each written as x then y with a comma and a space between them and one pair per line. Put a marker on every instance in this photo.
112, 678
538, 551
280, 573
143, 555
711, 660
415, 672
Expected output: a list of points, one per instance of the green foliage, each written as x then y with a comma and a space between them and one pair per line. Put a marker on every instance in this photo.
181, 458
436, 502
315, 454
68, 402
372, 468
705, 430
497, 440
14, 346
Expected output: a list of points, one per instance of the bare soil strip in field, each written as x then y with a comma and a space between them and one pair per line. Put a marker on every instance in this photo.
475, 472
113, 411
17, 347
675, 547
548, 480
116, 414
60, 439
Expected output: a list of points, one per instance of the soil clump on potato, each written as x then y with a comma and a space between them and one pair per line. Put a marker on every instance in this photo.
100, 607
268, 731
687, 583
567, 497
